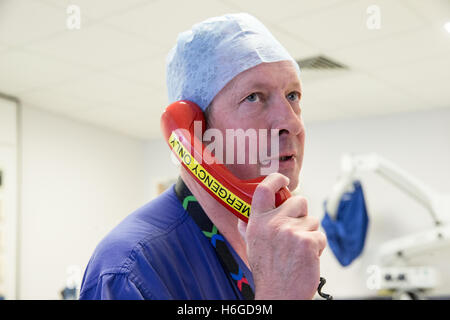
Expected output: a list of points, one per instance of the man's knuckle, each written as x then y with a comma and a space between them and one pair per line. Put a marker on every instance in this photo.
300, 204
314, 221
263, 191
282, 231
303, 203
322, 239
306, 242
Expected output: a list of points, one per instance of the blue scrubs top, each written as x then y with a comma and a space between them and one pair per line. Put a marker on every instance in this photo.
159, 252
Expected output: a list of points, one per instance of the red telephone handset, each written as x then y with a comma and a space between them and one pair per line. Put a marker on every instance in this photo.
177, 124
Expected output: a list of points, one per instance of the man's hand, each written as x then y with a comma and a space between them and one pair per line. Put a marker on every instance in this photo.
283, 244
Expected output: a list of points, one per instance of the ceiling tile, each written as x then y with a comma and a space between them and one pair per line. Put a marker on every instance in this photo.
3, 48
427, 79
150, 71
103, 88
21, 71
297, 48
95, 46
396, 50
435, 12
346, 25
162, 21
283, 9
353, 95
426, 72
152, 103
98, 9
23, 21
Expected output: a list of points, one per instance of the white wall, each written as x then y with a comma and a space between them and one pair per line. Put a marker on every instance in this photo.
417, 142
8, 198
160, 165
79, 181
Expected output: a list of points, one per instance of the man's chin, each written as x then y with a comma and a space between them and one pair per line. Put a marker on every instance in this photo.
293, 184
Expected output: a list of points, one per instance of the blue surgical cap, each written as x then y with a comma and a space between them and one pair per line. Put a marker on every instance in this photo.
216, 50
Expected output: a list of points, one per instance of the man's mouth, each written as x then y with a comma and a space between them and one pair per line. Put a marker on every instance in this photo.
282, 158
286, 158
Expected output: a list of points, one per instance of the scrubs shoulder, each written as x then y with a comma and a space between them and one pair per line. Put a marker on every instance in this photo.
157, 252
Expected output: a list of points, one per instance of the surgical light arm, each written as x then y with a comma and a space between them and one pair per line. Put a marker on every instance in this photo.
353, 165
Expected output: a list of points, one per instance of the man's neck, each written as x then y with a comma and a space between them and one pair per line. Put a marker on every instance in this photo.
225, 221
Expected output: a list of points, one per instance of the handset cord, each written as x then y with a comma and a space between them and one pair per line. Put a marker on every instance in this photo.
319, 290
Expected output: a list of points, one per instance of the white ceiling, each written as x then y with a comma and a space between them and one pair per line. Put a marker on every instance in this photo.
111, 72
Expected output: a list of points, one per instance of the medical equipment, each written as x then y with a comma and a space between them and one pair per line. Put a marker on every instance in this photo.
393, 255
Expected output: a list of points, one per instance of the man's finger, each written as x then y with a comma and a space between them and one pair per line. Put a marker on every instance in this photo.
321, 240
307, 223
264, 196
295, 207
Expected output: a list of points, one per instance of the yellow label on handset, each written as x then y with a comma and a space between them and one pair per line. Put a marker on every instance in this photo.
204, 177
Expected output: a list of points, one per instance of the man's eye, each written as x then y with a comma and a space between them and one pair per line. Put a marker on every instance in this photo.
293, 96
252, 97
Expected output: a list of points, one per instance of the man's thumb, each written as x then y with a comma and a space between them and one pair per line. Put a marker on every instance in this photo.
264, 195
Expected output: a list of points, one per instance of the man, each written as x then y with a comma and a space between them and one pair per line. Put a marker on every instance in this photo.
184, 244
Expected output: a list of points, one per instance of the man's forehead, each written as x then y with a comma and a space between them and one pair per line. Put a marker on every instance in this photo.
267, 75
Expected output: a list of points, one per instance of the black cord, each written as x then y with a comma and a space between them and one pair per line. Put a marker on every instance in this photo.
319, 290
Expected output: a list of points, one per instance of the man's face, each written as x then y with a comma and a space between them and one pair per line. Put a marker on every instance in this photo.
264, 97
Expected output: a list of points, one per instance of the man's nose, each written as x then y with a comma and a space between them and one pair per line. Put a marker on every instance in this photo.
285, 119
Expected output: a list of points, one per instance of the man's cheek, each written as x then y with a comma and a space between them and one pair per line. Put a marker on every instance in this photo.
241, 147
244, 171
